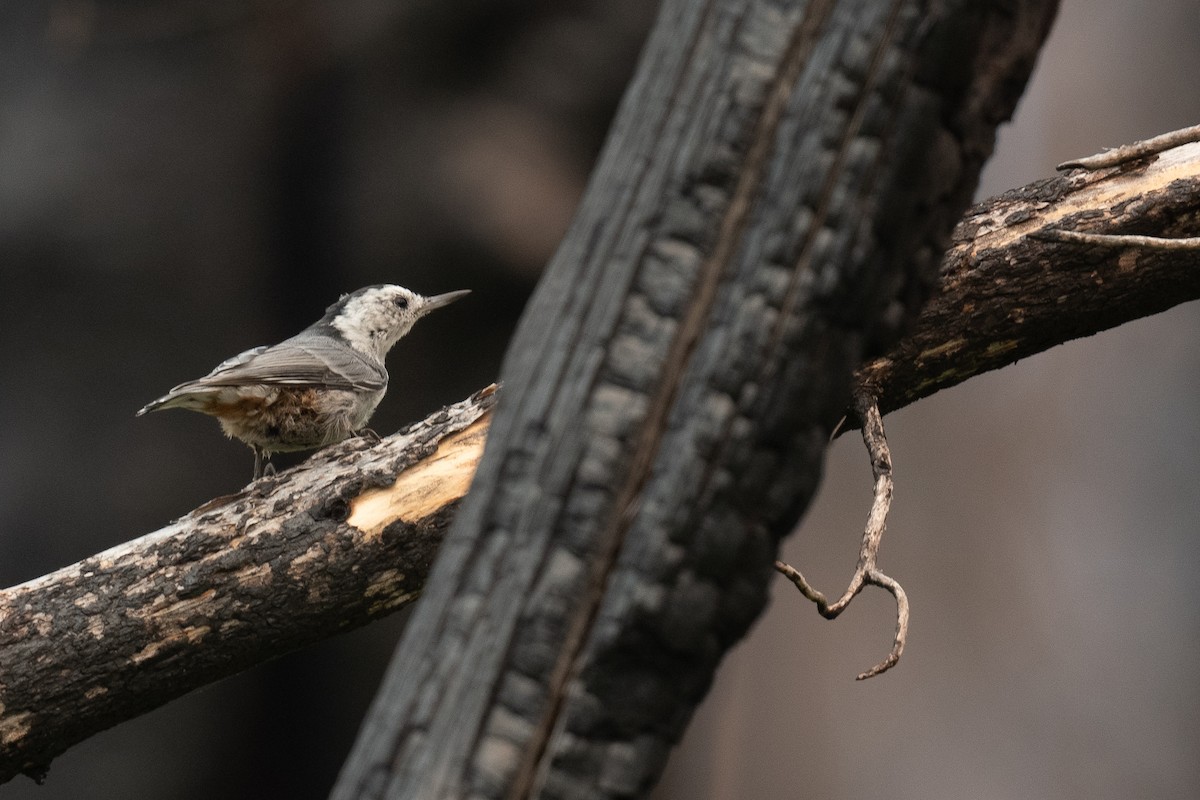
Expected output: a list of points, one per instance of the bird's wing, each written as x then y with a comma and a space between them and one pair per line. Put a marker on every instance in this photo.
304, 360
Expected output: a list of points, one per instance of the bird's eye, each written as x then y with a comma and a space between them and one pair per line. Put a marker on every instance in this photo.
401, 302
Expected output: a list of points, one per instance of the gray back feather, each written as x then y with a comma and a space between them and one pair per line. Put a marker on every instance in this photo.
305, 360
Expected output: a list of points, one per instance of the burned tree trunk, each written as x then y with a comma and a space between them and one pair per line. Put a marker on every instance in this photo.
772, 204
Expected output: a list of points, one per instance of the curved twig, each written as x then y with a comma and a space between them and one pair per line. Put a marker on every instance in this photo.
866, 573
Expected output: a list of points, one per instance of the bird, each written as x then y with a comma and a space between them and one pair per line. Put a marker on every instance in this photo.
317, 388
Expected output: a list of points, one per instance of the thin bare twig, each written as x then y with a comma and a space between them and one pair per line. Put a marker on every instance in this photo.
1132, 152
1118, 239
866, 573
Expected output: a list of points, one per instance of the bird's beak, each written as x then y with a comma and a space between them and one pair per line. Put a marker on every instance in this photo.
439, 300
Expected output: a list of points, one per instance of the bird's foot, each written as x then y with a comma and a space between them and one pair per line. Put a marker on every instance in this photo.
369, 435
262, 466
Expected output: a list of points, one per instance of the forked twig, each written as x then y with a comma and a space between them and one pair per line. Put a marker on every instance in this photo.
866, 573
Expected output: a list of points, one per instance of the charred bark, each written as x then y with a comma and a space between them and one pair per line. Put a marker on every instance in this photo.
772, 203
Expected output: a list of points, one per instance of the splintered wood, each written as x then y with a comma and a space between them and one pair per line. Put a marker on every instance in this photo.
426, 487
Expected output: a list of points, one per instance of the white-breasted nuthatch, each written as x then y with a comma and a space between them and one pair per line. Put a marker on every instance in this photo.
316, 388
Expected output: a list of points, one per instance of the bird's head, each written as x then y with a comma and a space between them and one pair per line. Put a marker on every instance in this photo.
374, 318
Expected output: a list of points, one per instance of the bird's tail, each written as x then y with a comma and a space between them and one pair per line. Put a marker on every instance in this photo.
153, 405
179, 397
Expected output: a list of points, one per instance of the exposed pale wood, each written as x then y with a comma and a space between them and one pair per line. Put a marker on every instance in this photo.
426, 487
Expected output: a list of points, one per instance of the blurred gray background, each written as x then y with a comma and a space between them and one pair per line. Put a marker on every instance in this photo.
182, 180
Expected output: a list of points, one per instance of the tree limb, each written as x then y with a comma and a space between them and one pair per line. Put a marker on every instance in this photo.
343, 539
1016, 281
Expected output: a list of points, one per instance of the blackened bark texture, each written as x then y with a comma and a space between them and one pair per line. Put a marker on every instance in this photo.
343, 539
1005, 293
775, 194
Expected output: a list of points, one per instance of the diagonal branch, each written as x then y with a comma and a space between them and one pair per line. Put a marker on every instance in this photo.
344, 539
1017, 280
